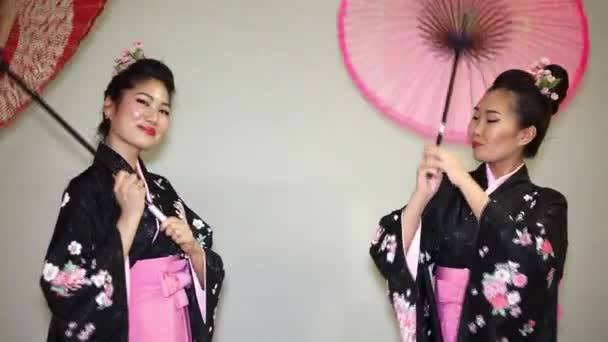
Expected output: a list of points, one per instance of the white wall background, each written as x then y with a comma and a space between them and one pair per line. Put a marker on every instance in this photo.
275, 147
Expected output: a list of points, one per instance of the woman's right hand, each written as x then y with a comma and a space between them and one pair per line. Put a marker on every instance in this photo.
428, 180
130, 194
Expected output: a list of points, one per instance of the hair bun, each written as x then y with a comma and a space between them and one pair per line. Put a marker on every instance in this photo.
561, 89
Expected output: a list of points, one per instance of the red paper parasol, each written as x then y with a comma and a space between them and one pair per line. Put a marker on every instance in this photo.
43, 36
424, 62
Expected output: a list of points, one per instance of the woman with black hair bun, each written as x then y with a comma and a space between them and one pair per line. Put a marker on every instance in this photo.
114, 271
478, 256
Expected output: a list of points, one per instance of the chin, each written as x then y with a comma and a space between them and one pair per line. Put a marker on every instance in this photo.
144, 144
481, 157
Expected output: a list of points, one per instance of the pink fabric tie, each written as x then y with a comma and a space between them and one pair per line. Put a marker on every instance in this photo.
158, 303
173, 284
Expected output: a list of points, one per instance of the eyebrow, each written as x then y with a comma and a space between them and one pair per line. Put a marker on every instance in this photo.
493, 111
150, 97
488, 111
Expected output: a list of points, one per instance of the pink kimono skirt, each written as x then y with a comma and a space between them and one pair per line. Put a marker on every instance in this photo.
158, 305
451, 285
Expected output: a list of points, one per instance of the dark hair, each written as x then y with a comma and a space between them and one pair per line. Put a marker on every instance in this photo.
142, 70
531, 106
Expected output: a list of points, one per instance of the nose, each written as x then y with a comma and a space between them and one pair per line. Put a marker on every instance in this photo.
478, 127
151, 115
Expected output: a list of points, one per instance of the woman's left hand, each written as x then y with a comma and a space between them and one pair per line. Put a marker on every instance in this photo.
179, 231
446, 162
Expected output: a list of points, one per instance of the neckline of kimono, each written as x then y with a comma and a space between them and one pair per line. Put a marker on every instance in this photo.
115, 162
493, 182
520, 176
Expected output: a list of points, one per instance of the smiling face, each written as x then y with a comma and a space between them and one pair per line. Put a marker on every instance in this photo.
140, 118
494, 130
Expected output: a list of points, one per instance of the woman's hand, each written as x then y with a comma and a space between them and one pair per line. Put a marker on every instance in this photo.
446, 162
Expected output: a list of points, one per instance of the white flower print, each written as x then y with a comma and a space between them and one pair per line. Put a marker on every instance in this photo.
515, 311
390, 244
472, 328
103, 301
74, 248
198, 223
86, 333
100, 278
513, 298
524, 238
503, 275
158, 183
406, 316
528, 198
480, 321
65, 200
50, 271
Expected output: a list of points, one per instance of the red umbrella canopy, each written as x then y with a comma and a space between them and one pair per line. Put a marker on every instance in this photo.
39, 38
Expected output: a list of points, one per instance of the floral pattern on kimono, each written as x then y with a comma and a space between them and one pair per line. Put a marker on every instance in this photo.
517, 248
83, 274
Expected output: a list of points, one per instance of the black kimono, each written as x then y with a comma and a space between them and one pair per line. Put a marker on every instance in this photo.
515, 253
84, 278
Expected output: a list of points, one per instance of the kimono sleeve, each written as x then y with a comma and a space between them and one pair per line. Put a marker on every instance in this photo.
83, 275
387, 250
208, 294
525, 254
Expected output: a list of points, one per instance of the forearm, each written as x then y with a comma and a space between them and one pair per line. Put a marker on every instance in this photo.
127, 226
198, 263
475, 196
410, 217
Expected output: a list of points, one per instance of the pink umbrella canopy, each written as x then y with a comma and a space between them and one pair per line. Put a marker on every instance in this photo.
419, 60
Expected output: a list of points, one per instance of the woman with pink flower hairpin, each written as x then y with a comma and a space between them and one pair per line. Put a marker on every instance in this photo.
478, 256
114, 271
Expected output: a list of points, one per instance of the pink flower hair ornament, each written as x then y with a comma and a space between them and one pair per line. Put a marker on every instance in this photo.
128, 57
545, 81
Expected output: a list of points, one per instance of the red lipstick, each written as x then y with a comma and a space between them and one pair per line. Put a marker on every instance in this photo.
148, 130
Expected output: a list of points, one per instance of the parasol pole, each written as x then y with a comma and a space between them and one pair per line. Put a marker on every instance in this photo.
4, 67
446, 106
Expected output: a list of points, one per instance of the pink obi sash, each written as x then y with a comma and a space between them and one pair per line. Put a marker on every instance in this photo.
158, 304
451, 285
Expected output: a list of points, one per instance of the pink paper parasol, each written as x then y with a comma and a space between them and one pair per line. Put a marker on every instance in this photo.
424, 62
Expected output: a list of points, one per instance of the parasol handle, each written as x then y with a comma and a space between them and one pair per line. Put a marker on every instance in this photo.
448, 98
4, 67
446, 106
